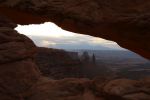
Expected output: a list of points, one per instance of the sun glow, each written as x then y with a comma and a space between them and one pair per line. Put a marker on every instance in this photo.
47, 29
50, 35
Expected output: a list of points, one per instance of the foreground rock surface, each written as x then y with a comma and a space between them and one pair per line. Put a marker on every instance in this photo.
18, 71
126, 22
84, 89
20, 78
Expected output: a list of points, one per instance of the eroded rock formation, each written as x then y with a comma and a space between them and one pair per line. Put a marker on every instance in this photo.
18, 71
20, 78
58, 64
125, 21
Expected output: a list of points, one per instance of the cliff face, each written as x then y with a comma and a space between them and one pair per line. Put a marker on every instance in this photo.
58, 64
124, 21
18, 71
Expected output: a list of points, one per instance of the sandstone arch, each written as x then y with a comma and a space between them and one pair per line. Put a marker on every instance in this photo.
123, 21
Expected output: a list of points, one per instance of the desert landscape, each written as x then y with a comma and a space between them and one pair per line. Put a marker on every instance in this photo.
29, 72
59, 64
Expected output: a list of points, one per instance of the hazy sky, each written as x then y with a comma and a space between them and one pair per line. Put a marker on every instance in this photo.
50, 35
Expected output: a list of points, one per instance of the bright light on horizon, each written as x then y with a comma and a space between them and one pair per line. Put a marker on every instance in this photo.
50, 35
47, 29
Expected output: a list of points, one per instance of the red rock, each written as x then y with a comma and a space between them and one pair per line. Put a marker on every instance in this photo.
128, 89
58, 64
123, 21
18, 71
121, 87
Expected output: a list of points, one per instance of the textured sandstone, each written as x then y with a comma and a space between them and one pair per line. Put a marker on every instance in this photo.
20, 78
18, 71
128, 89
14, 46
124, 21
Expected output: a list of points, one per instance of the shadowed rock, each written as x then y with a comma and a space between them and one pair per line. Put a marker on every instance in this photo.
18, 71
123, 21
126, 22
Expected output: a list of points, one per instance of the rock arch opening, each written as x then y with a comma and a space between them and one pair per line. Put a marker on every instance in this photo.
123, 21
64, 54
20, 78
49, 35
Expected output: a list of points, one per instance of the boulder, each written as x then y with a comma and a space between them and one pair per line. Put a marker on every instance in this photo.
128, 89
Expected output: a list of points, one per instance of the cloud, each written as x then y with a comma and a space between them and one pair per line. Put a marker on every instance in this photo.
50, 35
45, 43
74, 43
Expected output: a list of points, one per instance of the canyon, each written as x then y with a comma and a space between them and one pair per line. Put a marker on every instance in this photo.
123, 21
126, 22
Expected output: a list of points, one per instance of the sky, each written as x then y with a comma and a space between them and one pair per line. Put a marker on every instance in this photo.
51, 36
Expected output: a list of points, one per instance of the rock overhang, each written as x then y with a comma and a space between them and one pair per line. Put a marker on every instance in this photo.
125, 22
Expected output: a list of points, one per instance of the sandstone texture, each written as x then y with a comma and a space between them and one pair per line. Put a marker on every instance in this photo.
84, 89
20, 78
126, 22
18, 71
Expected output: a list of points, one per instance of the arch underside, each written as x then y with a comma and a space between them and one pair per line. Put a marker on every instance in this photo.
123, 21
126, 22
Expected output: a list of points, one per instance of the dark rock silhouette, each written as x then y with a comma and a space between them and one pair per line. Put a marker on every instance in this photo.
85, 57
18, 71
123, 21
58, 64
20, 78
93, 59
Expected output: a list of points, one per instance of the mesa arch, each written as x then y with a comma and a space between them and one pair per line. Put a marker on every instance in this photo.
126, 22
123, 21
